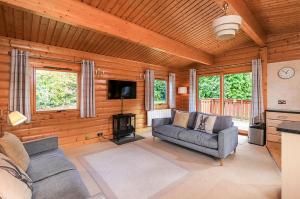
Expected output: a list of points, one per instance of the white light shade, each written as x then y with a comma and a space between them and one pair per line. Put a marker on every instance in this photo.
182, 90
15, 118
226, 27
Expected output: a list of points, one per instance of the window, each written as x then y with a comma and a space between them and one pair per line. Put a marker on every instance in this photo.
55, 90
209, 94
160, 91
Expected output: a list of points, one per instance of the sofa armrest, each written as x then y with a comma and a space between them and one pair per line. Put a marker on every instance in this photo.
160, 121
227, 141
41, 145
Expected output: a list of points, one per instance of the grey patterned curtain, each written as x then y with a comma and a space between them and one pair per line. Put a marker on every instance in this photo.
87, 102
172, 90
257, 112
149, 90
19, 96
192, 90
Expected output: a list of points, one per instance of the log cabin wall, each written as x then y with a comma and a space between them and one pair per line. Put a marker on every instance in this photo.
71, 129
283, 47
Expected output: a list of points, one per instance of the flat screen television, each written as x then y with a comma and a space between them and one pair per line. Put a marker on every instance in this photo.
118, 89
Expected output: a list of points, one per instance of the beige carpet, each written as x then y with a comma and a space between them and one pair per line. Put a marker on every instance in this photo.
129, 171
250, 173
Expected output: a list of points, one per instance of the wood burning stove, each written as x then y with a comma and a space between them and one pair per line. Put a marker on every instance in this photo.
124, 125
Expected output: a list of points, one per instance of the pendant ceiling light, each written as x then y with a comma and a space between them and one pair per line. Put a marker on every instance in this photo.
227, 26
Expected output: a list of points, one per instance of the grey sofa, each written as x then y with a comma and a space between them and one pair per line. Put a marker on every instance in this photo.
53, 175
222, 142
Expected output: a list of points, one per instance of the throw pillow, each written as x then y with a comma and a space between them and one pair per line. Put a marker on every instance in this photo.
12, 147
14, 182
205, 123
181, 119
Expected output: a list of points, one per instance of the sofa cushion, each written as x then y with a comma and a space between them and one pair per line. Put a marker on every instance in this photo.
66, 185
200, 138
181, 119
188, 136
192, 120
222, 122
13, 148
169, 130
207, 140
14, 182
205, 123
44, 165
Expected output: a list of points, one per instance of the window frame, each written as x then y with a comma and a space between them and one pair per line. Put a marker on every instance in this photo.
34, 110
167, 89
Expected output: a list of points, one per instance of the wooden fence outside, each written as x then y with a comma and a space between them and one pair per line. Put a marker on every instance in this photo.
239, 109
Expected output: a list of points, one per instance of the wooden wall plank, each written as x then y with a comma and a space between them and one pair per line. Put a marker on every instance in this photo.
73, 130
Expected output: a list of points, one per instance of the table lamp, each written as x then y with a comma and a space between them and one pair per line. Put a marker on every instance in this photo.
15, 118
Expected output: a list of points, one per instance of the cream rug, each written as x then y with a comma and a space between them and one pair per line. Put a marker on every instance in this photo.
163, 170
131, 172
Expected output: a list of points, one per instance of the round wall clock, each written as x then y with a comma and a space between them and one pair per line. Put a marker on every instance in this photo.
286, 72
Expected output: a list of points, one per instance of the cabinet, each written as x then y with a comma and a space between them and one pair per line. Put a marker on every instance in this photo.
275, 117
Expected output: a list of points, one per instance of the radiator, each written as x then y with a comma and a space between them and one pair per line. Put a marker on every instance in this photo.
161, 113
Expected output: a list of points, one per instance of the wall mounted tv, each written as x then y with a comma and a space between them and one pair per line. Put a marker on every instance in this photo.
121, 89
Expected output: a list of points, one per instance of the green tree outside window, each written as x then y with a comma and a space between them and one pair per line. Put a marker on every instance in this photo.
160, 91
55, 90
209, 87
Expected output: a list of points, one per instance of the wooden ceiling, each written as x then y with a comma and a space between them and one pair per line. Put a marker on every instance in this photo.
18, 24
277, 16
184, 21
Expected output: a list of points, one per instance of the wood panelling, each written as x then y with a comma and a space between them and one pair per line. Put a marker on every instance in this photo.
283, 47
26, 26
186, 21
90, 18
276, 17
67, 125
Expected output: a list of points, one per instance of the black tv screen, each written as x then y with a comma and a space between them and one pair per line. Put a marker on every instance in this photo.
121, 89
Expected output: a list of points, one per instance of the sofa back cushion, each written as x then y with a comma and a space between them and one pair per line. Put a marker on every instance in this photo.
11, 146
181, 119
205, 123
192, 120
14, 182
222, 122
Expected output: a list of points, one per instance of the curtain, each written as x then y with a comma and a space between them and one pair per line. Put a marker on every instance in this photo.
19, 96
257, 112
172, 90
192, 91
87, 102
149, 90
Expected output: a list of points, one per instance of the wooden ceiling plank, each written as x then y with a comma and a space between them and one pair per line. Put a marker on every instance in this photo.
56, 33
81, 39
145, 11
18, 22
10, 28
69, 36
2, 22
43, 29
162, 5
189, 14
63, 35
87, 41
194, 26
164, 14
249, 23
50, 31
27, 25
178, 14
92, 41
35, 27
72, 12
